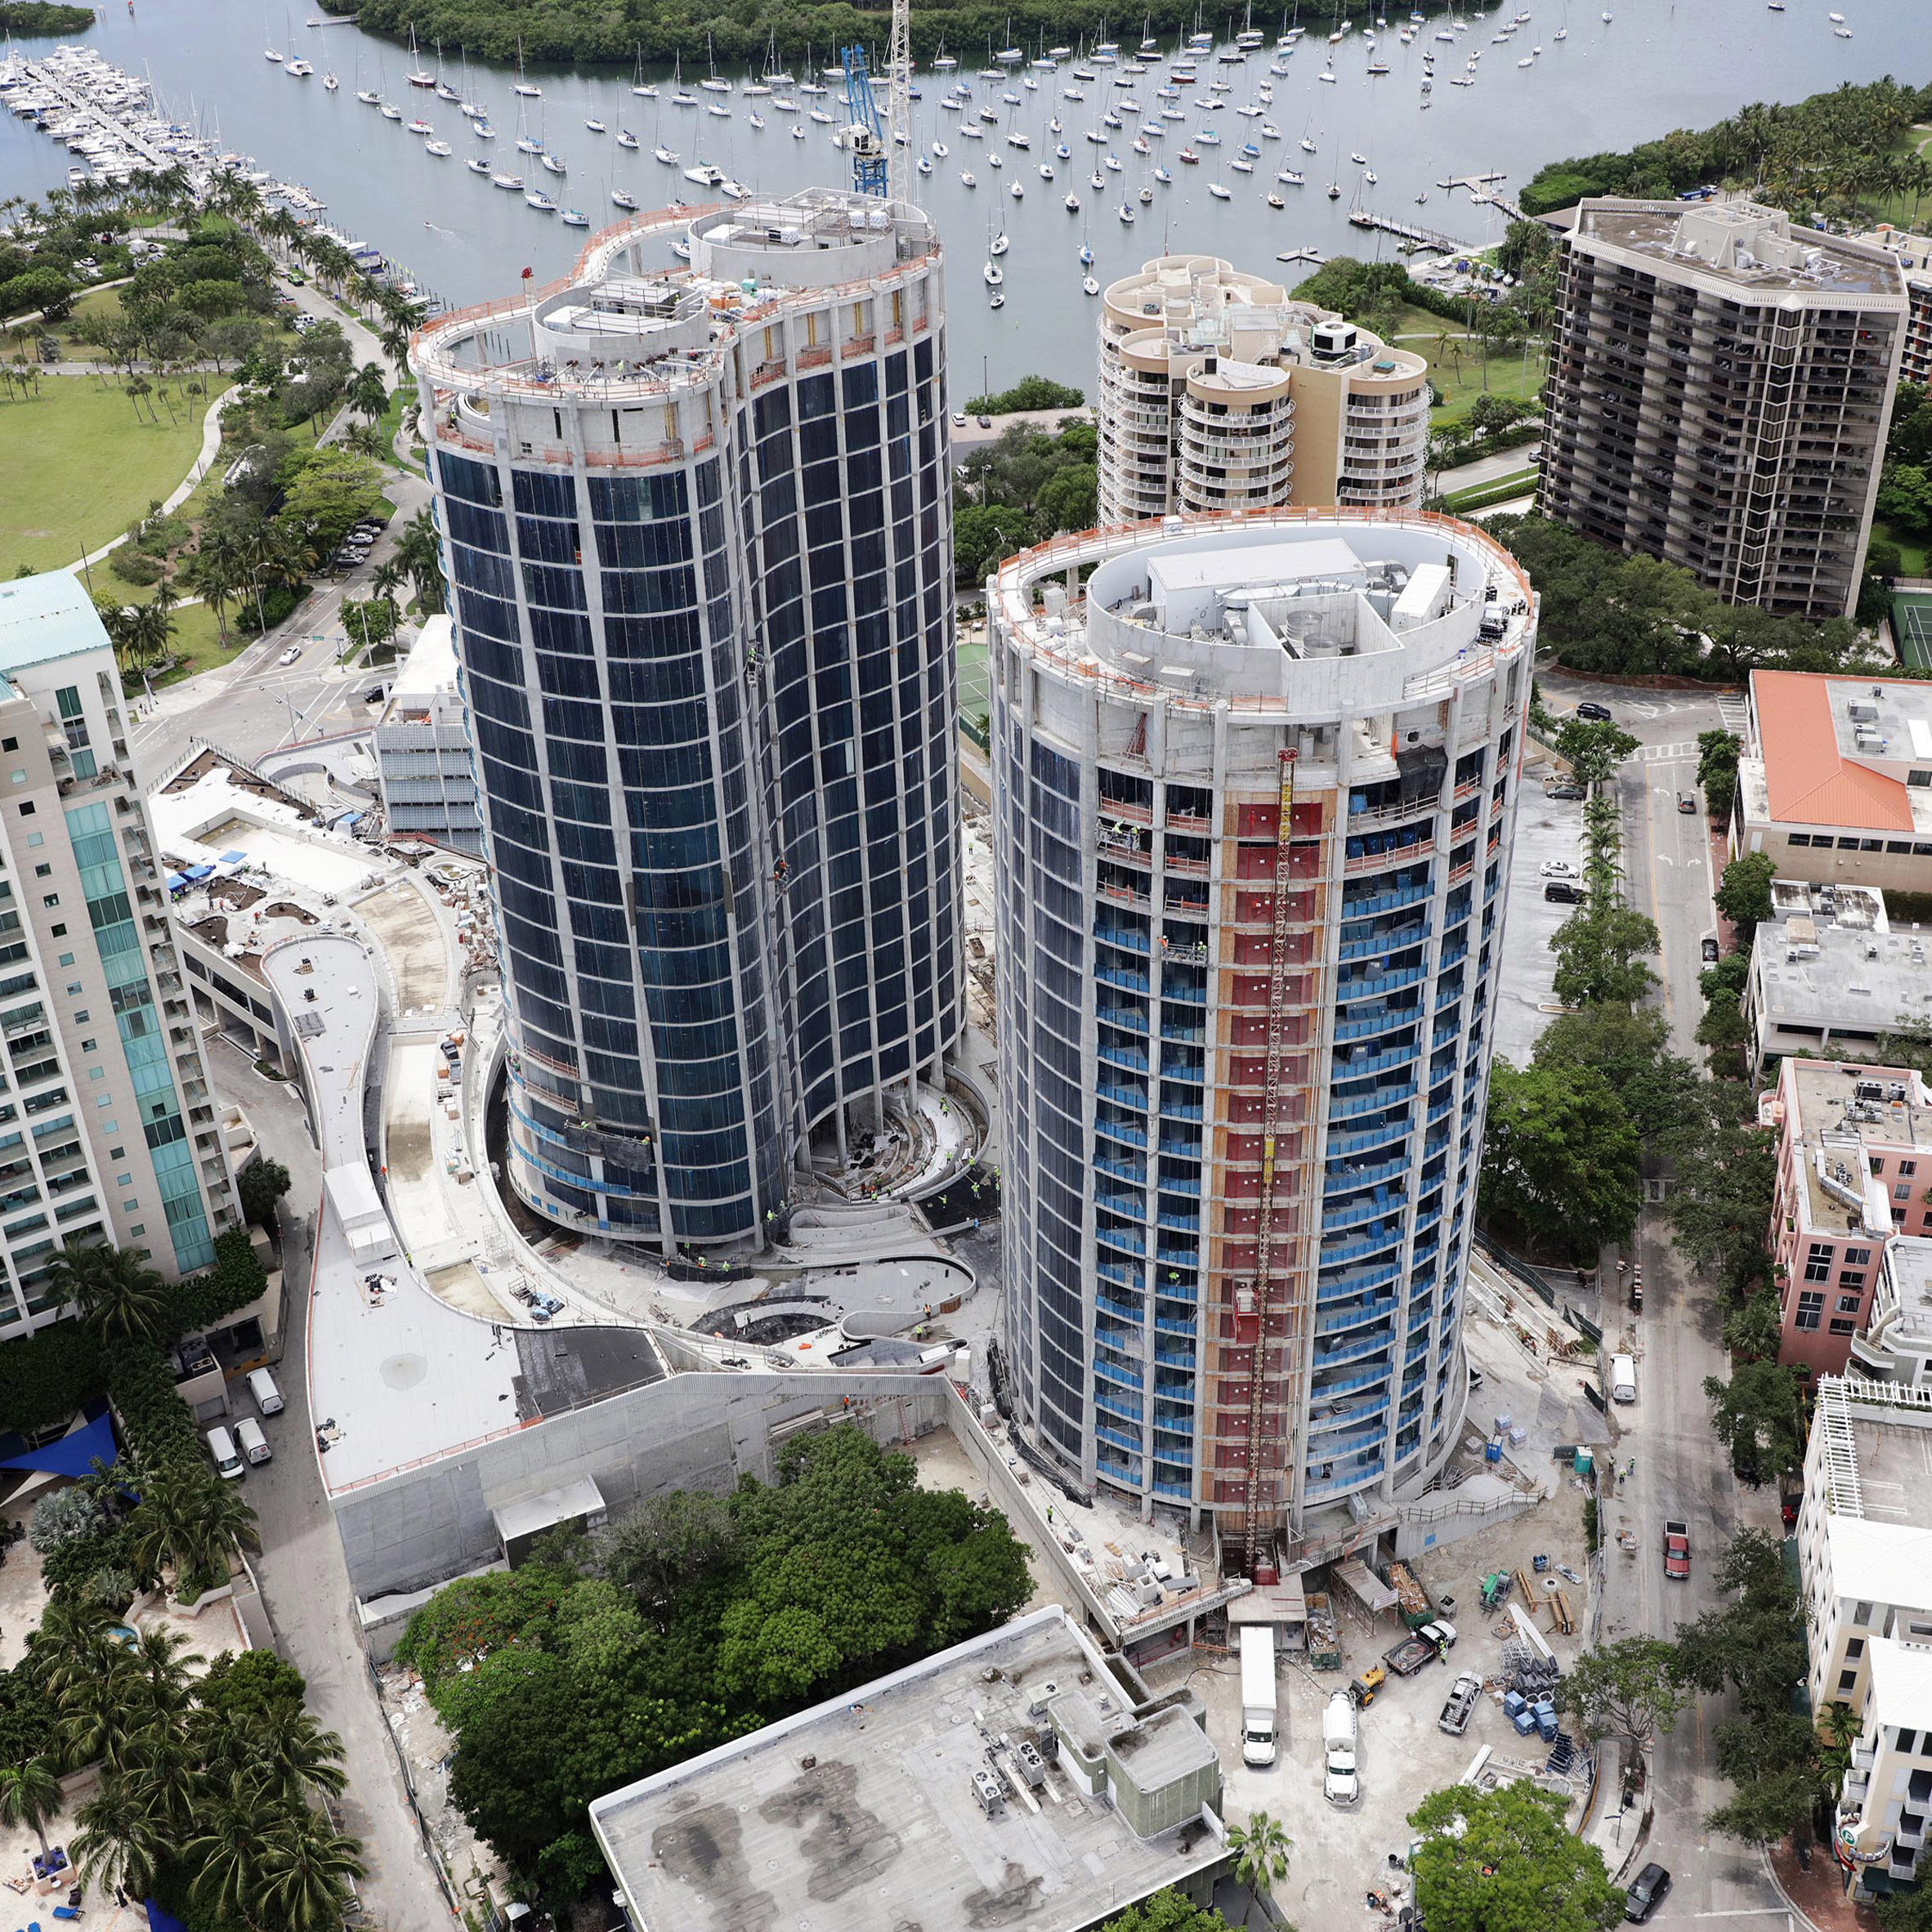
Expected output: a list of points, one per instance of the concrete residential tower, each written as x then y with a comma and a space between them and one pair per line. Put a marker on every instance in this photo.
108, 1131
1139, 725
698, 528
1719, 386
1218, 392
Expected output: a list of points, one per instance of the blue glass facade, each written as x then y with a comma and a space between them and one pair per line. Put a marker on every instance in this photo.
712, 694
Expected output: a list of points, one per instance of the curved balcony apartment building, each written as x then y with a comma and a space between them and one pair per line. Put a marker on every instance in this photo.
1138, 728
697, 525
1218, 392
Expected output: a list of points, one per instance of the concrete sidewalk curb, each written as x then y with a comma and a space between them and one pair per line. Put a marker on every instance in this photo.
1799, 1916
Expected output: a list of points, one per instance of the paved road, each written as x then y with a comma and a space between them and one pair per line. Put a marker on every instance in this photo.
303, 1576
1680, 1471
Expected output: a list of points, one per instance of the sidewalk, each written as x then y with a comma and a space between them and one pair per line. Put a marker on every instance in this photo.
1818, 1896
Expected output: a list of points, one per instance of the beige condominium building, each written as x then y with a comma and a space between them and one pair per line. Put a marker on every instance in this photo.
1719, 384
1218, 392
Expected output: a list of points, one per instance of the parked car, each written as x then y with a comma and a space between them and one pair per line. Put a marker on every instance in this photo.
1646, 1895
1557, 869
986, 421
958, 418
290, 655
1560, 892
1687, 804
1595, 713
1710, 951
1565, 790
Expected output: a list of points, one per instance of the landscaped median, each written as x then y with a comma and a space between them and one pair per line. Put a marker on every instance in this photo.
85, 457
1498, 489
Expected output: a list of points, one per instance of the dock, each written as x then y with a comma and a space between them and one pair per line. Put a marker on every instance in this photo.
1409, 232
48, 82
1475, 183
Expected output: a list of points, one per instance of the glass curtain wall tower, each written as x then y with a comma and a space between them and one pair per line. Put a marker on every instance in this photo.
698, 530
1140, 717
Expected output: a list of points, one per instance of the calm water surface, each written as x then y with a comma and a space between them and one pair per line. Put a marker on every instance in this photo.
1655, 66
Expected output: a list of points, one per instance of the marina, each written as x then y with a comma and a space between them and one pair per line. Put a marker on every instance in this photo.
193, 89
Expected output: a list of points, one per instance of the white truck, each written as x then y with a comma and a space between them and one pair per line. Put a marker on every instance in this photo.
1258, 1694
1339, 1783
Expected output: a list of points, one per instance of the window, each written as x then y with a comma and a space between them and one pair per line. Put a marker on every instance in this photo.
1901, 1190
60, 932
1851, 1278
1857, 1257
96, 1073
130, 1207
87, 1046
80, 1018
1855, 1649
1849, 1305
1848, 1680
35, 840
1908, 1167
1861, 1616
117, 1153
73, 989
27, 809
139, 1227
10, 744
1845, 844
1841, 1325
67, 960
1801, 838
1811, 1308
43, 870
1907, 1739
1818, 1262
50, 898
123, 1180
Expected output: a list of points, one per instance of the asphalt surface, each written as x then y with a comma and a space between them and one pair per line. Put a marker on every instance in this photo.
1680, 1471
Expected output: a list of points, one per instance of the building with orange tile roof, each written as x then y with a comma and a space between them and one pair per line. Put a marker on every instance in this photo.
1835, 781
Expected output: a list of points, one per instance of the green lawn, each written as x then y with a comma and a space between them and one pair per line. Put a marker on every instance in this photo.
197, 638
1457, 371
81, 466
1913, 557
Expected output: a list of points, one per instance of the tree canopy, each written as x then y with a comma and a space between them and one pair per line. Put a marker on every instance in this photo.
1514, 1866
1559, 1157
693, 1621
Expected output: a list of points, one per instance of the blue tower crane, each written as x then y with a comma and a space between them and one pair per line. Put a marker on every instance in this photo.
865, 131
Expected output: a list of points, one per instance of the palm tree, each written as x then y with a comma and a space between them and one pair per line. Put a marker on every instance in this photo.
188, 1519
226, 1854
420, 549
306, 1866
367, 393
1260, 1848
29, 1796
120, 1841
296, 1753
386, 580
119, 1296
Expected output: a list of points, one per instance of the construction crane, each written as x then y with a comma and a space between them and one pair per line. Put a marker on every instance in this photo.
879, 145
1255, 1523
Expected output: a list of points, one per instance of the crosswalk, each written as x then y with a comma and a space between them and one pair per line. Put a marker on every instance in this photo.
1666, 754
1731, 714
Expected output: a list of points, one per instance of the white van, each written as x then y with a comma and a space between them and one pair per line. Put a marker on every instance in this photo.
1623, 1378
221, 1445
1339, 1783
262, 1385
254, 1445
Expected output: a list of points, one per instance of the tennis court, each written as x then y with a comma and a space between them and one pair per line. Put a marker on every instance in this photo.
1912, 625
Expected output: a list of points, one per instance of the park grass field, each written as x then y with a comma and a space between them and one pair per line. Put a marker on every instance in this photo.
81, 465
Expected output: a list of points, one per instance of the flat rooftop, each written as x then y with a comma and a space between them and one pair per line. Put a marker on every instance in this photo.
1282, 608
397, 1376
1914, 251
859, 1815
47, 617
1901, 1684
1845, 1112
1750, 249
1813, 973
1907, 1267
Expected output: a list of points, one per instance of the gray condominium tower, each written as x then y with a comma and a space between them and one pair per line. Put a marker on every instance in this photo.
1719, 384
697, 524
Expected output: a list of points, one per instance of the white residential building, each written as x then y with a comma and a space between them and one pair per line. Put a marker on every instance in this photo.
108, 1131
423, 760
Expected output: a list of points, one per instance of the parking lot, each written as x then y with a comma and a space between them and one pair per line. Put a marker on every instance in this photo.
1546, 829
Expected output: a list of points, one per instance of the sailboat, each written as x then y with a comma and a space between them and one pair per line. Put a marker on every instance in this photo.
529, 89
366, 96
445, 91
417, 77
329, 79
712, 84
294, 66
643, 89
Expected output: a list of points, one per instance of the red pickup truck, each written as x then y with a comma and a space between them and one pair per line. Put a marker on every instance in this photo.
1677, 1551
